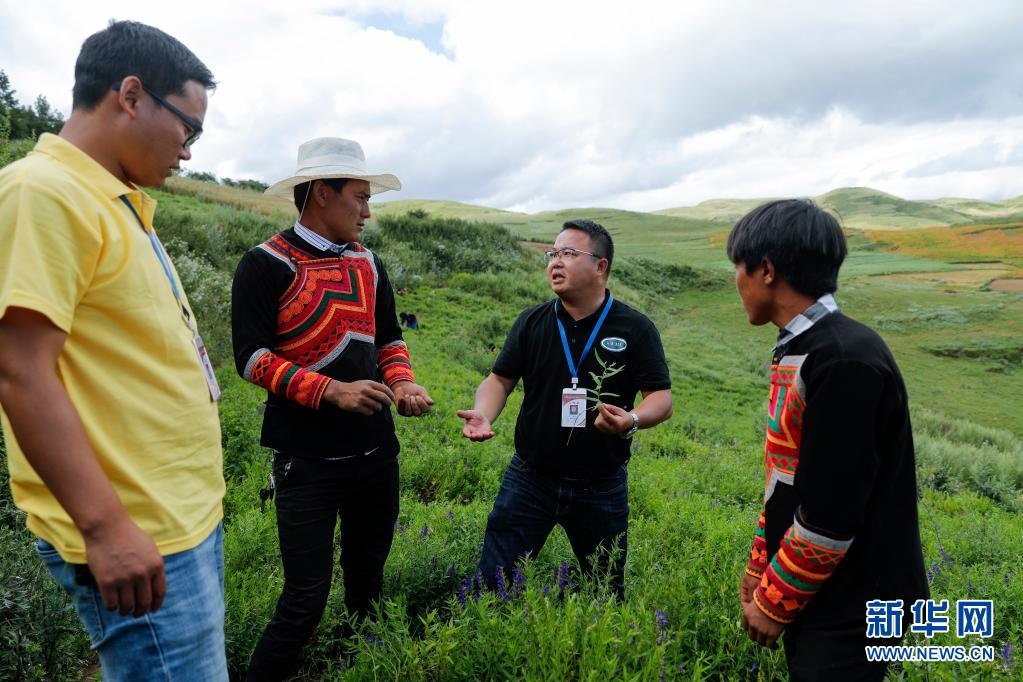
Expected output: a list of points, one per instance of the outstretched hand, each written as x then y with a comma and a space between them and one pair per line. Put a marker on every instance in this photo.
477, 427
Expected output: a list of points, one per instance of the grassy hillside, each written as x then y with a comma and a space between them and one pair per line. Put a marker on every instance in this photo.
888, 235
695, 482
862, 208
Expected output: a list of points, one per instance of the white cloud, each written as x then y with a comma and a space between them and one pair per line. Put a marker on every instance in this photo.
537, 105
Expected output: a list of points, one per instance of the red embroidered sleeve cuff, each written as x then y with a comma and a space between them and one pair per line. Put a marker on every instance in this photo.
286, 379
758, 553
394, 363
804, 562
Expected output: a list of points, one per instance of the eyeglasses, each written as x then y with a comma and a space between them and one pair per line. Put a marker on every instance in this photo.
194, 127
566, 254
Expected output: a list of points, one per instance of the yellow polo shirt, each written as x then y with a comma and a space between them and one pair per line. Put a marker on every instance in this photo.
71, 250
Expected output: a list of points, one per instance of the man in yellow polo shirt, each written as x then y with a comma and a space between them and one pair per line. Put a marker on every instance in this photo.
108, 400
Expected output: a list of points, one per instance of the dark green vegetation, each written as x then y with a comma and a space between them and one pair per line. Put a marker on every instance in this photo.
696, 482
21, 124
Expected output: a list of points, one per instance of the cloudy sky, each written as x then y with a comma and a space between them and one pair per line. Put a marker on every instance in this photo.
533, 105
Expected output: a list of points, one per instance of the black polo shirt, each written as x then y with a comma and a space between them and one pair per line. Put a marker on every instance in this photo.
534, 352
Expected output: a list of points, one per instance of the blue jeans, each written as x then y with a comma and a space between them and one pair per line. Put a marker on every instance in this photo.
184, 640
594, 513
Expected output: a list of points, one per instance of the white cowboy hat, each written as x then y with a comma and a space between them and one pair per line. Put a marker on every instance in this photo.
332, 157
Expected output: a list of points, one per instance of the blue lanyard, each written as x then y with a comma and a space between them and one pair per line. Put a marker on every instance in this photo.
158, 249
589, 344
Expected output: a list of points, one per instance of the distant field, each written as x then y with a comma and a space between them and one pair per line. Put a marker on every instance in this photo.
862, 208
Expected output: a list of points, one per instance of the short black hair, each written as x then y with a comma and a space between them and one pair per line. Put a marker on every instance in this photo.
302, 190
599, 237
128, 48
804, 242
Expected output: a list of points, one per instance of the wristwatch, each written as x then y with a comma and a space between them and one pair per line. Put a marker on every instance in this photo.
635, 427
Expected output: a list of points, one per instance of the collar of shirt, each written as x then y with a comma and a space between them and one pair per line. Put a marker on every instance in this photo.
587, 321
317, 241
824, 306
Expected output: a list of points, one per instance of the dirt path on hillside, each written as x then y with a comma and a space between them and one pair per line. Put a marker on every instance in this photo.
1013, 286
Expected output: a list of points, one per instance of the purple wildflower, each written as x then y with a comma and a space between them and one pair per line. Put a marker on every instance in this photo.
755, 667
662, 620
425, 532
461, 594
546, 589
451, 515
518, 579
946, 557
501, 591
1007, 655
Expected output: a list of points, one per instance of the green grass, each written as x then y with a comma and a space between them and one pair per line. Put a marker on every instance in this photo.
695, 482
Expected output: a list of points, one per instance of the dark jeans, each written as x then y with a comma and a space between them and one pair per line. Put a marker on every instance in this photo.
594, 513
311, 495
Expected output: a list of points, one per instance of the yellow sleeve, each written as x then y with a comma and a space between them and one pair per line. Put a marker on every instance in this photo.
48, 251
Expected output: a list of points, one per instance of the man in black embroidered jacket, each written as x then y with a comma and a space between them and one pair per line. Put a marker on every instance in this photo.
839, 527
314, 323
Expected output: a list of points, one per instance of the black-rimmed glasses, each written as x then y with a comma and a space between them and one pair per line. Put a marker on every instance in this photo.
194, 126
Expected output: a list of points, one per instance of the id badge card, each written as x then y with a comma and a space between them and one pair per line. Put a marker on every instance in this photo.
573, 407
207, 367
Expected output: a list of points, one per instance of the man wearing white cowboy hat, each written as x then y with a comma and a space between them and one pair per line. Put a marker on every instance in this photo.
314, 323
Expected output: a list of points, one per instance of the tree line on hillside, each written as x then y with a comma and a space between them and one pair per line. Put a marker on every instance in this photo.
25, 122
21, 125
204, 176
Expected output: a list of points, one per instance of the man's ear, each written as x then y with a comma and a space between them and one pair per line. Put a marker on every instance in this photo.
128, 95
320, 191
767, 272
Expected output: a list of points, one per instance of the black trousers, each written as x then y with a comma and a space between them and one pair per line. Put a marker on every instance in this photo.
832, 653
310, 497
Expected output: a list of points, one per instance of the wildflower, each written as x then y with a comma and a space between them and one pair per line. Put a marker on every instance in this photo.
946, 557
662, 620
755, 667
546, 589
451, 515
501, 591
425, 532
1007, 655
518, 579
461, 594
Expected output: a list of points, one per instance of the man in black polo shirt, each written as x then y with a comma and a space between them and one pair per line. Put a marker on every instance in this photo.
569, 465
839, 525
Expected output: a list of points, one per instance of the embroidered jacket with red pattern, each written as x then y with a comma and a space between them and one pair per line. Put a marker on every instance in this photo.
804, 559
839, 524
330, 303
302, 317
